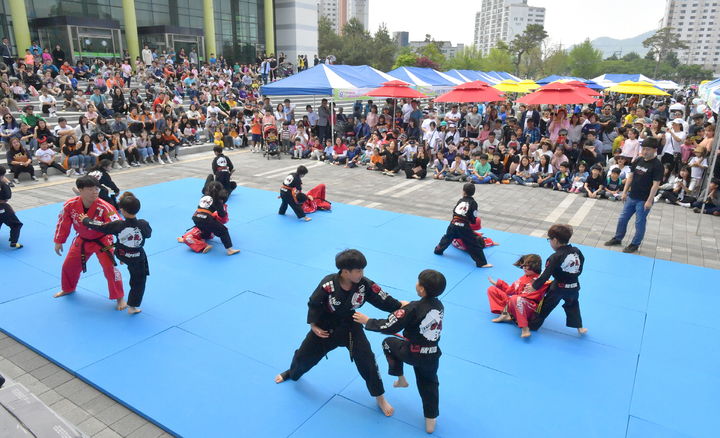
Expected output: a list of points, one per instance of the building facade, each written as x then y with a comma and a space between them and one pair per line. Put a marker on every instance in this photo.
696, 23
445, 47
240, 30
501, 20
339, 12
402, 38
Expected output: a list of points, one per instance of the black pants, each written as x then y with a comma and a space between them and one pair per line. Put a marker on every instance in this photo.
17, 169
397, 352
552, 299
132, 155
44, 167
138, 269
8, 217
2, 381
313, 348
409, 173
287, 199
209, 226
224, 179
473, 245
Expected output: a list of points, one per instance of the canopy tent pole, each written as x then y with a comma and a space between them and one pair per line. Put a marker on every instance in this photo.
711, 169
332, 120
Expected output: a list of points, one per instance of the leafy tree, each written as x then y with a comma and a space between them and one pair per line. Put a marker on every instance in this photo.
384, 49
531, 38
329, 43
470, 58
426, 62
630, 57
557, 63
432, 52
662, 42
499, 58
405, 58
585, 60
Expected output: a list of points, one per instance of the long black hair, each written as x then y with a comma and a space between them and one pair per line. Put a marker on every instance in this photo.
216, 191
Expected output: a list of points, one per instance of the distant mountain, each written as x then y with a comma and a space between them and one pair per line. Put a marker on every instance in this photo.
609, 45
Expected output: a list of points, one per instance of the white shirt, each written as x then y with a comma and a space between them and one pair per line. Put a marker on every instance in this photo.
697, 172
45, 155
57, 129
46, 100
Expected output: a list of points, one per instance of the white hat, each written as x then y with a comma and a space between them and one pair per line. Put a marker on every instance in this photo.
678, 121
677, 107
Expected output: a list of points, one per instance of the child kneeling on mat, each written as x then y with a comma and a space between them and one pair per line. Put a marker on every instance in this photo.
421, 322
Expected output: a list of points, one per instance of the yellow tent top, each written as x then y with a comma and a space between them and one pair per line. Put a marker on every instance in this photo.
630, 87
510, 86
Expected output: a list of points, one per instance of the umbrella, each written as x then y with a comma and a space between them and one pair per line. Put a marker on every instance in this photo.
630, 87
475, 91
556, 94
528, 84
396, 90
581, 86
510, 86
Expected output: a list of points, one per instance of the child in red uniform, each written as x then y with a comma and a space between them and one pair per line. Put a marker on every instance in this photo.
511, 301
87, 242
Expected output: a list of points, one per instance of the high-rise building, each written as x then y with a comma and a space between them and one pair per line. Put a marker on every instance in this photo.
239, 30
696, 23
501, 20
339, 12
401, 38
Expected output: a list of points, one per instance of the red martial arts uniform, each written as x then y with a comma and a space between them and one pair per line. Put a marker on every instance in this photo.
521, 306
86, 243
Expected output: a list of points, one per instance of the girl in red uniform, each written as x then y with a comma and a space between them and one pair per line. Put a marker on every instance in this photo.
510, 300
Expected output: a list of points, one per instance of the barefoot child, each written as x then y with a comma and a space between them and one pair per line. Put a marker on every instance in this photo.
511, 301
330, 311
565, 266
7, 214
206, 218
421, 322
291, 193
464, 214
131, 234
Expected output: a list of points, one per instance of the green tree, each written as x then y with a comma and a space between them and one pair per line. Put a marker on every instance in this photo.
356, 44
630, 57
405, 58
470, 58
692, 74
384, 49
585, 60
531, 38
557, 63
432, 52
662, 43
329, 43
499, 58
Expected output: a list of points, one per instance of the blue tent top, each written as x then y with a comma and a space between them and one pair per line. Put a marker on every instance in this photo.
553, 78
323, 79
423, 77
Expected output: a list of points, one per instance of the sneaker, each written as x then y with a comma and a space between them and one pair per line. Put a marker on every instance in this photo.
17, 181
114, 165
631, 248
169, 160
32, 177
15, 245
657, 198
69, 173
684, 204
613, 242
160, 161
44, 176
534, 185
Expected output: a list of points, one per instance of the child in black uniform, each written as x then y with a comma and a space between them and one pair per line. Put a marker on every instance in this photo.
565, 266
330, 311
291, 193
100, 173
131, 234
464, 214
7, 214
213, 202
222, 168
421, 322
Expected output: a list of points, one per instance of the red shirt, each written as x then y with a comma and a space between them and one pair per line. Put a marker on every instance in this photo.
340, 150
98, 211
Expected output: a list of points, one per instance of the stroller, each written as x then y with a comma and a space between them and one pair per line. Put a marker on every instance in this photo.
272, 143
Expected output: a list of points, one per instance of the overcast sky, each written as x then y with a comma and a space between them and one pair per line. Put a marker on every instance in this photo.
566, 22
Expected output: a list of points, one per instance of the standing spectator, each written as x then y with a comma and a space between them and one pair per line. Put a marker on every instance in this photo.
6, 53
323, 121
58, 56
147, 56
639, 192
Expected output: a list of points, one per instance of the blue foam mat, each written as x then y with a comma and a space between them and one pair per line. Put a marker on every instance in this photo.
214, 330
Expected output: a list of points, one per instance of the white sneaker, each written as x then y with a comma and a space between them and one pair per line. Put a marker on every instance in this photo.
684, 204
160, 161
657, 198
45, 176
69, 173
169, 160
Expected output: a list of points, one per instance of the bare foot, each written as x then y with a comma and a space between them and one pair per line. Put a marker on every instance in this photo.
134, 310
180, 240
281, 377
387, 409
121, 304
430, 425
232, 251
207, 249
582, 331
62, 293
525, 333
401, 382
307, 219
504, 317
487, 266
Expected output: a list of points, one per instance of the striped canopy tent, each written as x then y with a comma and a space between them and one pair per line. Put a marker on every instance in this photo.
710, 93
611, 79
427, 80
339, 81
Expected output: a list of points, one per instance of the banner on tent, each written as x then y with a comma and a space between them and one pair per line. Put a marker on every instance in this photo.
351, 93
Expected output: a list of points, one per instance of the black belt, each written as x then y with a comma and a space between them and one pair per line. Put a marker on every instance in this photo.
567, 285
104, 248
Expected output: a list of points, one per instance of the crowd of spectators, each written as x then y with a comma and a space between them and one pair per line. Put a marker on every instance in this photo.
178, 101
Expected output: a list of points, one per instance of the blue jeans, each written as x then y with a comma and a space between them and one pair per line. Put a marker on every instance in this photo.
632, 207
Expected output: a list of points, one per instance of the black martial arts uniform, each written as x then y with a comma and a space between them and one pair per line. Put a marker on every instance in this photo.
291, 194
565, 266
464, 214
131, 234
331, 309
421, 322
106, 184
207, 224
7, 214
222, 168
